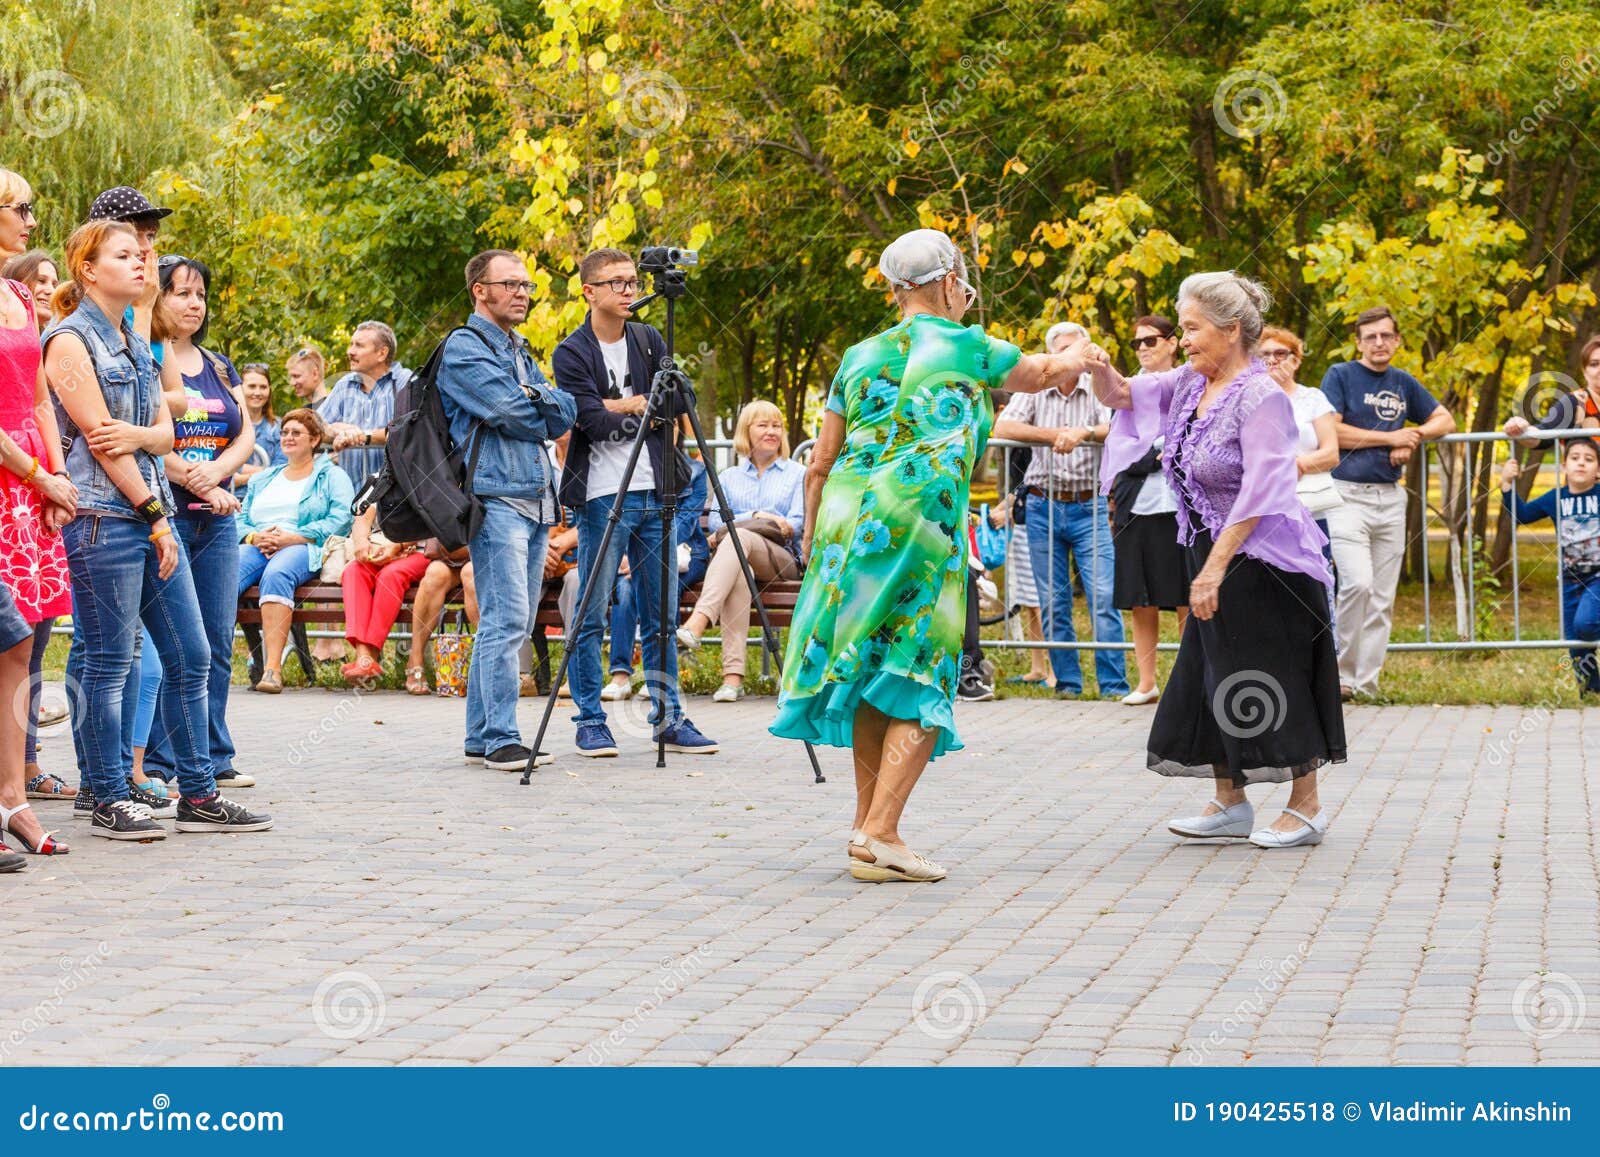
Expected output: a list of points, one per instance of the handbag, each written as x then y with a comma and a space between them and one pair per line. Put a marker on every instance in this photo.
340, 551
767, 528
1318, 493
452, 657
992, 540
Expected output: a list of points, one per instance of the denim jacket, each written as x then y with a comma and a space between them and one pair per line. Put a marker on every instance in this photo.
324, 508
127, 376
499, 386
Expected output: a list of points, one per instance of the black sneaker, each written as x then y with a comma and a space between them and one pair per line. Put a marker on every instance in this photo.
83, 805
232, 778
125, 820
513, 757
218, 815
161, 807
973, 689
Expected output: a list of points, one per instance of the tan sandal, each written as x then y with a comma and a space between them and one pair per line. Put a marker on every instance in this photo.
890, 863
271, 683
416, 681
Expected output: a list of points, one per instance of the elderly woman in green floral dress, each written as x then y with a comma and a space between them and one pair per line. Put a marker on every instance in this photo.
875, 650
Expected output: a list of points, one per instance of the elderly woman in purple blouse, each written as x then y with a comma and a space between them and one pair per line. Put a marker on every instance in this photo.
1254, 694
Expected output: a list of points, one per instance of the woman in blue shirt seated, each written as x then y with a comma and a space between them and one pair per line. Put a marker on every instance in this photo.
766, 492
290, 512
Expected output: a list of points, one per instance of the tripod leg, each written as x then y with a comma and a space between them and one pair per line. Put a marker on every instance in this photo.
769, 639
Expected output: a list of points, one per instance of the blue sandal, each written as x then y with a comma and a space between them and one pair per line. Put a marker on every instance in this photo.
56, 789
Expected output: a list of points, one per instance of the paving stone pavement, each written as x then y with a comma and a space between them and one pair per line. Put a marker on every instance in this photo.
408, 908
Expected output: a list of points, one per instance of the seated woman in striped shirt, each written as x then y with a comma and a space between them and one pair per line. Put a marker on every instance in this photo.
766, 492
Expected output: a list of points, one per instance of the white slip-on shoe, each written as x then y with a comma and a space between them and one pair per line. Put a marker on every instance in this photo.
614, 691
728, 693
688, 640
1312, 833
1140, 698
1230, 823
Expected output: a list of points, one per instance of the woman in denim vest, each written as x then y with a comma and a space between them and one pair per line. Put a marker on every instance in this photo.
126, 564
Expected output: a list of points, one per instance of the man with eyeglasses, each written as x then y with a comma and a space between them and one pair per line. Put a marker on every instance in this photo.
1068, 518
606, 365
501, 412
361, 404
1374, 401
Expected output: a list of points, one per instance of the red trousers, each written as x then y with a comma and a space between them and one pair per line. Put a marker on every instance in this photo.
372, 596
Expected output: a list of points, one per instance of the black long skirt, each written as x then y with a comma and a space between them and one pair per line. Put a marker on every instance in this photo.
1150, 568
1254, 693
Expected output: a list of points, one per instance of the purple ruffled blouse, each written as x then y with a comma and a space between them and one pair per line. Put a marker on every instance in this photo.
1238, 461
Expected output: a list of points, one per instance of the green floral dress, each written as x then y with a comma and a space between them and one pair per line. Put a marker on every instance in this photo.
883, 605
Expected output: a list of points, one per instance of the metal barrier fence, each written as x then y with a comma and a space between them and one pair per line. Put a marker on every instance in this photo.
1457, 500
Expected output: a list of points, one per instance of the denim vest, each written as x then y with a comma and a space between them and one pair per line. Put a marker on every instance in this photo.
127, 377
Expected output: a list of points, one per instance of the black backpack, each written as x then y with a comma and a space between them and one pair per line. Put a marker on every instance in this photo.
424, 490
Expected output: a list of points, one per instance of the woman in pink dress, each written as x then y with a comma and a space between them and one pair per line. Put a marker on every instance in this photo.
35, 502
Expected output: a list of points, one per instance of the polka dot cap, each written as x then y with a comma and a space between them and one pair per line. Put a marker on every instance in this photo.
124, 204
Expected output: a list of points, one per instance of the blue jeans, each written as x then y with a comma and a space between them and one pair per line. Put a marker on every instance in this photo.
1580, 619
1057, 530
626, 614
508, 573
278, 576
41, 642
638, 535
115, 586
212, 545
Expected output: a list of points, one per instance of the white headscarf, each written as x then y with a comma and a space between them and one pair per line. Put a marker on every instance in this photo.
918, 258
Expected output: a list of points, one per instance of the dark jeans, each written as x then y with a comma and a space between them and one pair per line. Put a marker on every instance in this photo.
1580, 619
637, 535
116, 585
41, 641
212, 545
971, 653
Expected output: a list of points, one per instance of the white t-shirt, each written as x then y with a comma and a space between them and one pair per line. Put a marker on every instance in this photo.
607, 460
1155, 496
279, 503
1309, 404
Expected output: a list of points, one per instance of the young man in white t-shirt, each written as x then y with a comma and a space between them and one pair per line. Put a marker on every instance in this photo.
607, 371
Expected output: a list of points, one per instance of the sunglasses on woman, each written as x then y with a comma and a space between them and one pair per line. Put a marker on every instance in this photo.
1273, 357
1149, 342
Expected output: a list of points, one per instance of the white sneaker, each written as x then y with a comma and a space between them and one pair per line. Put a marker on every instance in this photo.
728, 693
613, 691
1140, 698
1232, 823
1312, 833
688, 640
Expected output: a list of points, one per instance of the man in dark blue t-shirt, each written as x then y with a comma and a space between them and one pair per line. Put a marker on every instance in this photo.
1374, 402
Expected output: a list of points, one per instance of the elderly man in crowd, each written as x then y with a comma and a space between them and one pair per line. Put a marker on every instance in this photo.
1067, 517
361, 404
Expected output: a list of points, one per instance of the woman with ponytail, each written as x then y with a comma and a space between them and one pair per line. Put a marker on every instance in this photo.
126, 564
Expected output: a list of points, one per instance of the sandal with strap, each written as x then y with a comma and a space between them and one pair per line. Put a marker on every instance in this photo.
416, 681
48, 845
57, 788
890, 863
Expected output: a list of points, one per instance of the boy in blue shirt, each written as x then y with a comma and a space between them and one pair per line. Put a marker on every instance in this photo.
1367, 534
1575, 508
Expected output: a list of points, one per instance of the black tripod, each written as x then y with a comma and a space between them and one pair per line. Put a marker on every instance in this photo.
671, 393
